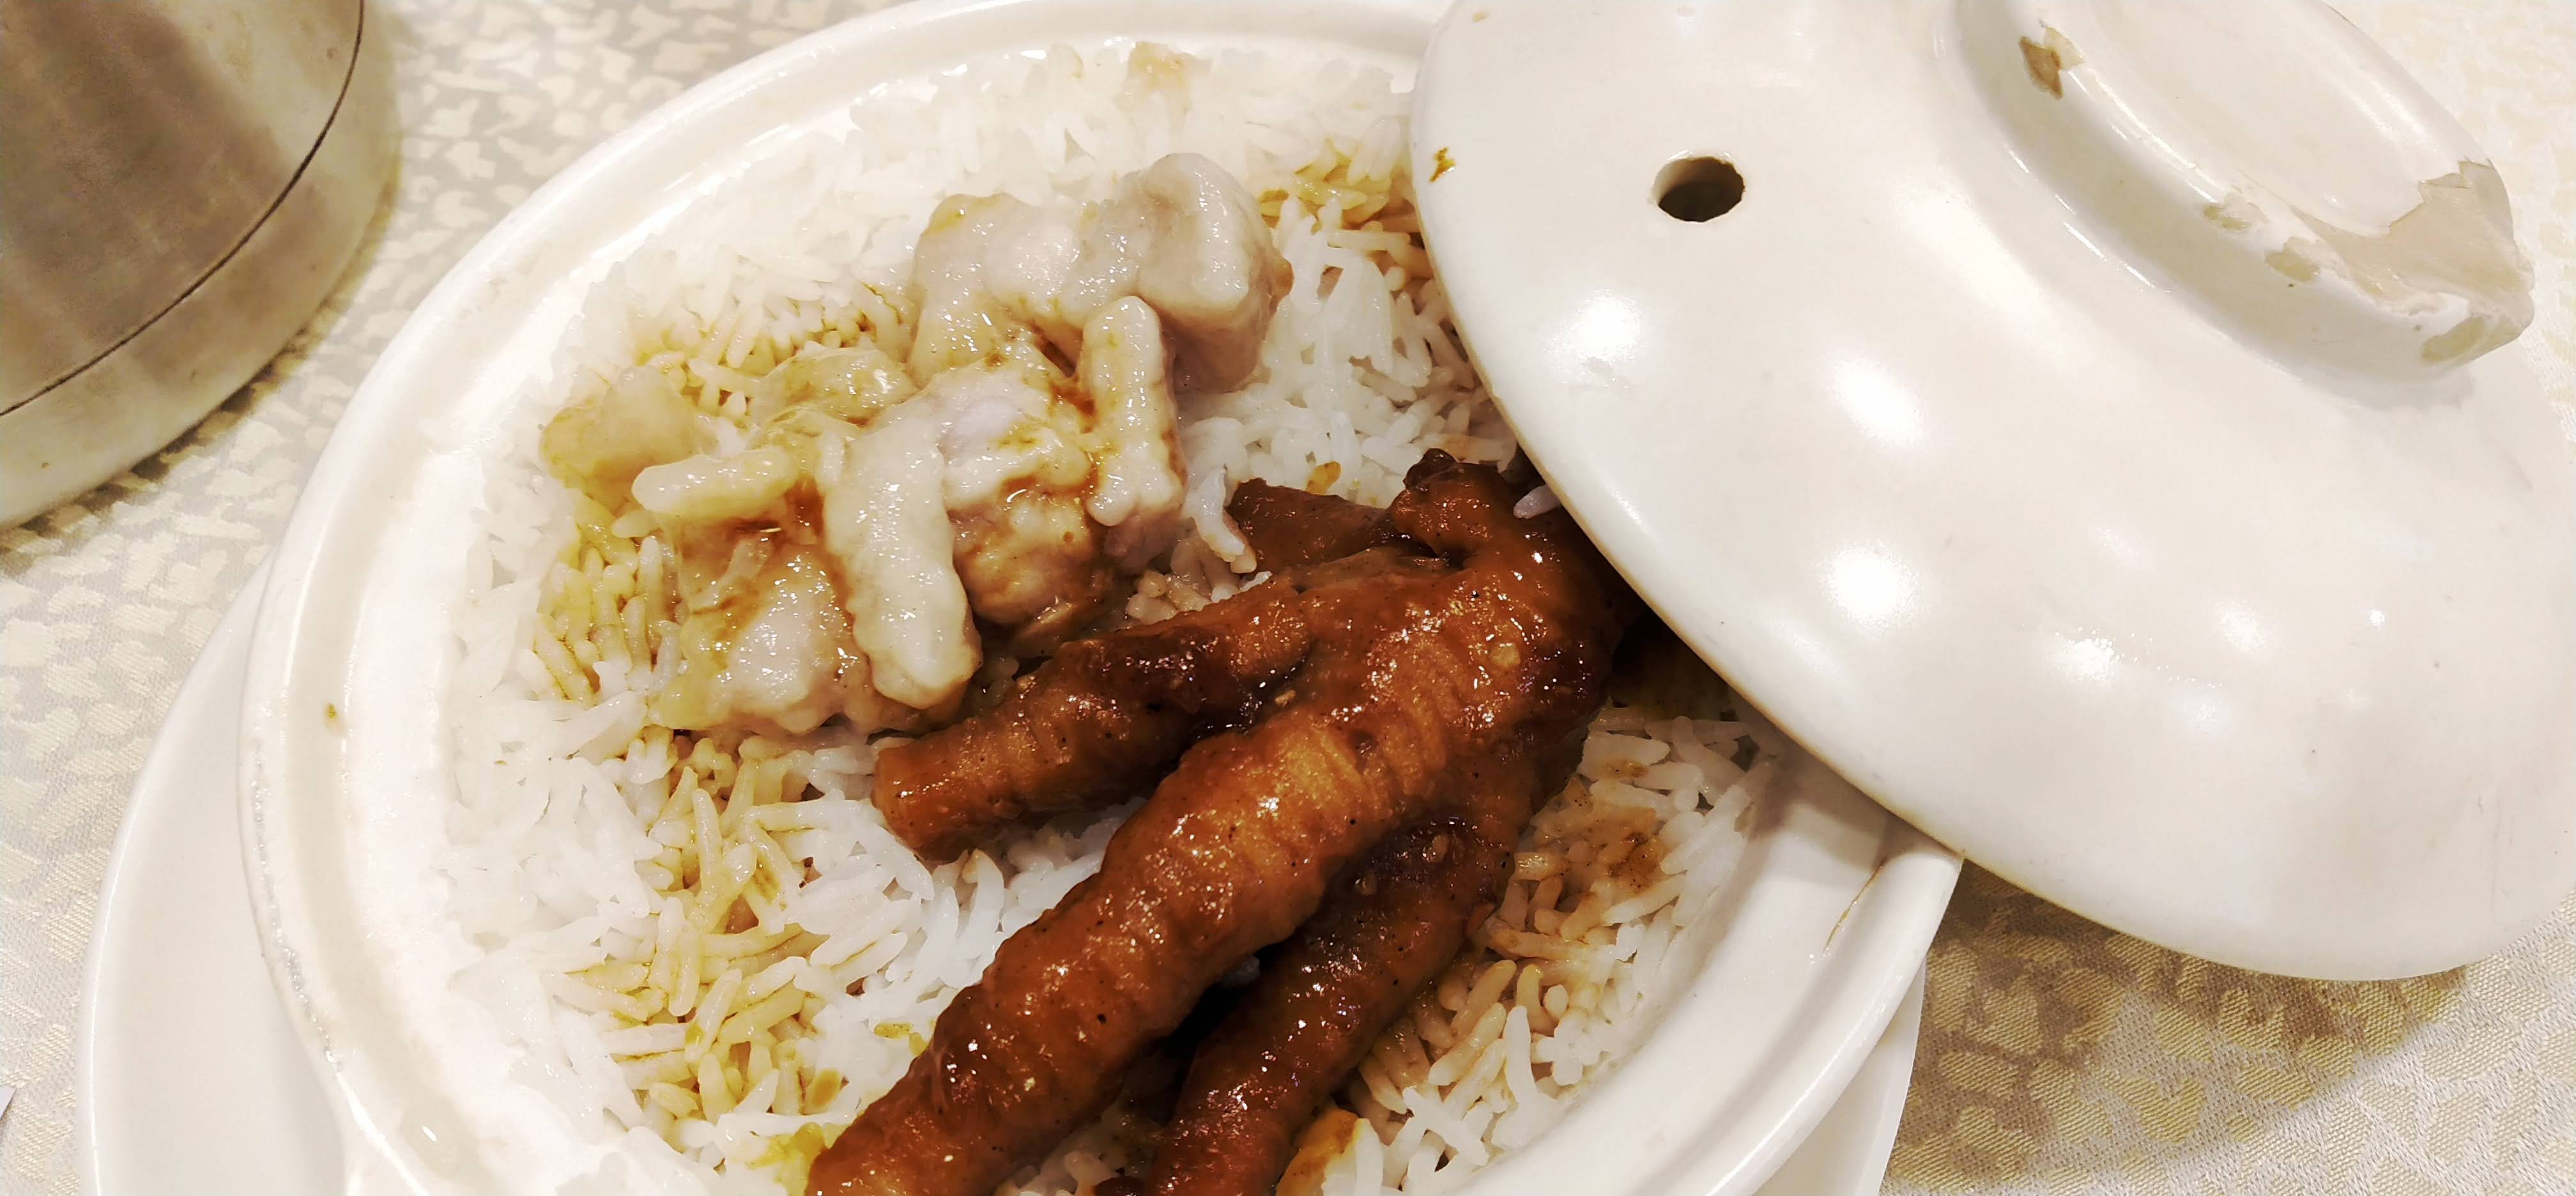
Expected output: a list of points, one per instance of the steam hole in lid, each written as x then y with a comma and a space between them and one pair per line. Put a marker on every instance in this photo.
1698, 189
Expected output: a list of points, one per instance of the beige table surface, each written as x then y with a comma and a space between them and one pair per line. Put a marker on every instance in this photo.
2057, 1057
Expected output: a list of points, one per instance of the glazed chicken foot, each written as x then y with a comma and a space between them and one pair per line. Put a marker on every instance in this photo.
1325, 995
1494, 647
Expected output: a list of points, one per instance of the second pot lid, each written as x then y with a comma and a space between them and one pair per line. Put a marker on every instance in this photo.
2074, 421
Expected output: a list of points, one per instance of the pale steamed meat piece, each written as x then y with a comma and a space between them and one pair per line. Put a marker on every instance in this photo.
1003, 427
779, 653
974, 479
1033, 565
769, 640
1026, 552
1181, 234
1051, 501
599, 442
1136, 489
705, 487
712, 511
887, 527
975, 251
853, 384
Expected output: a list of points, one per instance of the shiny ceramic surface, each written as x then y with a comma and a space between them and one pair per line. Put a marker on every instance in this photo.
189, 1076
2076, 432
345, 782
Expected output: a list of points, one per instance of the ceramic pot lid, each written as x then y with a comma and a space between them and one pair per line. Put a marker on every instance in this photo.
2073, 420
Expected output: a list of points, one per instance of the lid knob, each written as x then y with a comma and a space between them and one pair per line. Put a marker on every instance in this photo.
2271, 161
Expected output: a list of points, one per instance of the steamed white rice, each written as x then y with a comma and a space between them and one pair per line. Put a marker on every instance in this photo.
711, 950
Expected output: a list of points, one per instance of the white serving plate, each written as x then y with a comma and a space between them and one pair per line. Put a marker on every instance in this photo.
188, 1076
345, 774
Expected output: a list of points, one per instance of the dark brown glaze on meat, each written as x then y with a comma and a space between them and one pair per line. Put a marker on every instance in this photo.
1098, 722
1431, 665
1291, 529
1231, 853
1327, 993
1092, 725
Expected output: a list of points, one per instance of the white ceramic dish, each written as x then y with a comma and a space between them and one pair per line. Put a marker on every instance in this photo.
345, 776
2076, 433
188, 1076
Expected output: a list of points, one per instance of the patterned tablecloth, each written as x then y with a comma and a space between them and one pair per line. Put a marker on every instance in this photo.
2057, 1056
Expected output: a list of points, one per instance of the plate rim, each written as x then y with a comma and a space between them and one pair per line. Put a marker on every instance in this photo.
201, 696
